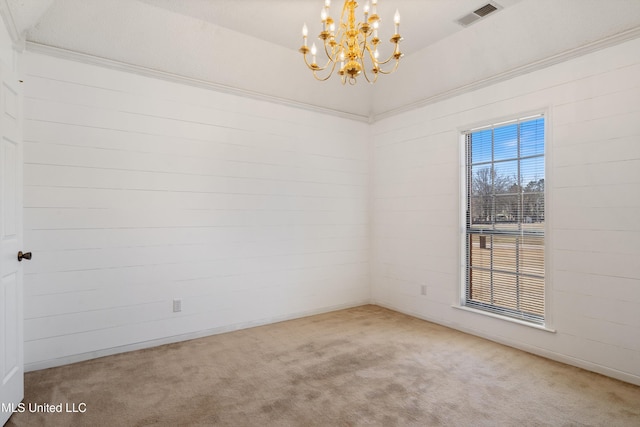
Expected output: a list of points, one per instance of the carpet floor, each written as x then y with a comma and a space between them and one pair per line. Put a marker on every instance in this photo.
361, 366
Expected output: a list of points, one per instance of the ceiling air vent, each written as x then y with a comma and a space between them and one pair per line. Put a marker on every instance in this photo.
485, 10
478, 14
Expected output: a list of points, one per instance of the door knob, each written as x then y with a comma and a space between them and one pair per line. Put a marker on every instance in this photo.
26, 255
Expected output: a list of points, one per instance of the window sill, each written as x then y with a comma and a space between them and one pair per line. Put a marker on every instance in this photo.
506, 318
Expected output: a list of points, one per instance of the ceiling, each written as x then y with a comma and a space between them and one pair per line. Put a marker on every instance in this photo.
280, 21
251, 45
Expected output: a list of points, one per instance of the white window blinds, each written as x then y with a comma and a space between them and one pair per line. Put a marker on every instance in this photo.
505, 219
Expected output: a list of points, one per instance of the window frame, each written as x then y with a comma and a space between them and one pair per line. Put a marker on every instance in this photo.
545, 321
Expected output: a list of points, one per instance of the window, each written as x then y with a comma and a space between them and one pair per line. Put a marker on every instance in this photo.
505, 217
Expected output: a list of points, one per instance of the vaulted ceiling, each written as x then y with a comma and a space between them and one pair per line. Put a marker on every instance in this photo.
251, 45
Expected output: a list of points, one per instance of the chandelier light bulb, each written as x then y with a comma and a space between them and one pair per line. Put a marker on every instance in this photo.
396, 20
323, 16
305, 31
327, 3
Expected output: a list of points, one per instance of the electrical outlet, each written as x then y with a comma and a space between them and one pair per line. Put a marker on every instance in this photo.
177, 305
423, 290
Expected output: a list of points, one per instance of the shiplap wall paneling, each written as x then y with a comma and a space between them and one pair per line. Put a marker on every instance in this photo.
139, 191
593, 205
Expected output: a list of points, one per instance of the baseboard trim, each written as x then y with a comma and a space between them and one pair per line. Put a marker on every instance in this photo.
67, 360
548, 354
558, 357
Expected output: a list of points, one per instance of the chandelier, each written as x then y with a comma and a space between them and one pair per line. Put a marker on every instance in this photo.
353, 45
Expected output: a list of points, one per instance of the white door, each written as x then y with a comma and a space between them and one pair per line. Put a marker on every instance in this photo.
11, 334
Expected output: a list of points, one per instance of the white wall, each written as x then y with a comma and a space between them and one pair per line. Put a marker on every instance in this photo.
593, 209
138, 191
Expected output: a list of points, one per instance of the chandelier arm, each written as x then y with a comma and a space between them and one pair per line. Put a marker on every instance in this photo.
393, 55
317, 67
310, 66
366, 76
325, 66
331, 55
367, 50
322, 79
395, 67
304, 56
386, 61
375, 73
364, 69
376, 65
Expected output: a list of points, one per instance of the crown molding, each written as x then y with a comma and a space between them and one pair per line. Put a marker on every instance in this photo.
176, 78
10, 25
613, 40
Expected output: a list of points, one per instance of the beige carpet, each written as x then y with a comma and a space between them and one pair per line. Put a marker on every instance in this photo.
362, 366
